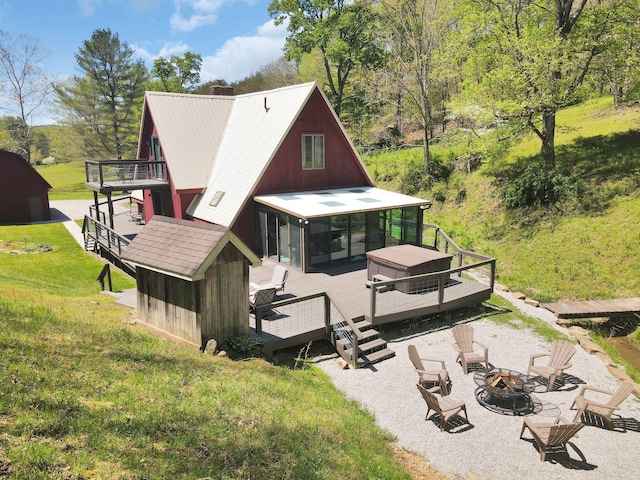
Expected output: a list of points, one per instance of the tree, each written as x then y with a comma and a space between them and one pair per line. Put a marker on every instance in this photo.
417, 32
25, 89
344, 32
531, 57
104, 104
178, 74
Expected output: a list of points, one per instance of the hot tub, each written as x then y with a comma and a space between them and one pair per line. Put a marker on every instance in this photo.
406, 261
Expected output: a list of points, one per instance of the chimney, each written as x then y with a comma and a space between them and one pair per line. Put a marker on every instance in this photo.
221, 90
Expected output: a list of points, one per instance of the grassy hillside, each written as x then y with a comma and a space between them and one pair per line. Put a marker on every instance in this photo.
587, 247
85, 394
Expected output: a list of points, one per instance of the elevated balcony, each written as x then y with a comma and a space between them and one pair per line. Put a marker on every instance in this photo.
107, 176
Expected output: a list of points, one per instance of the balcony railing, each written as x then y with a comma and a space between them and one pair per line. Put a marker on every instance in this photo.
120, 173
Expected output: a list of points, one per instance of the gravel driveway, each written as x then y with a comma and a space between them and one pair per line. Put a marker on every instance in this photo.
489, 447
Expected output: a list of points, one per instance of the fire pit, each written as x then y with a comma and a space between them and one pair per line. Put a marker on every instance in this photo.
504, 391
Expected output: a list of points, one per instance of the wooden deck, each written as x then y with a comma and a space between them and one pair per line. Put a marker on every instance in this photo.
620, 307
347, 289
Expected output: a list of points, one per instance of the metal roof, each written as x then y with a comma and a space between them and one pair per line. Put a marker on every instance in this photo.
190, 130
257, 126
342, 201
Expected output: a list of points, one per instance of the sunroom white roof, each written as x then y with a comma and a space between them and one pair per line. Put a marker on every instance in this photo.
341, 201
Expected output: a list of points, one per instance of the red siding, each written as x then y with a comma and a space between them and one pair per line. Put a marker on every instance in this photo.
18, 182
285, 173
342, 168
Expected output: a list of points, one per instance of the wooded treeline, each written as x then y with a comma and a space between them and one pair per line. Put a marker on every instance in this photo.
396, 71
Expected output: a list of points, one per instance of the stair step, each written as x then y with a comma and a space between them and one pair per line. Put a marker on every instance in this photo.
376, 356
369, 347
363, 324
367, 335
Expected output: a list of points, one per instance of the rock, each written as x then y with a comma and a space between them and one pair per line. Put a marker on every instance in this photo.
563, 322
620, 375
342, 363
211, 347
589, 346
578, 331
533, 303
222, 353
519, 295
605, 359
499, 286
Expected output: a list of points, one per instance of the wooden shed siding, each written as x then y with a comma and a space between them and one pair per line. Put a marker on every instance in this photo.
171, 304
225, 310
156, 294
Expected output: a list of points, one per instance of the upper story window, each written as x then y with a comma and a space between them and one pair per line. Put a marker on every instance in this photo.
312, 152
156, 151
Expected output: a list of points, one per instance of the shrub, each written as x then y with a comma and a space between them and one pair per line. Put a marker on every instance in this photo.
539, 185
244, 343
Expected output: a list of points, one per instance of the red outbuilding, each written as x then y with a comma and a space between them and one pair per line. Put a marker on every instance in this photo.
24, 194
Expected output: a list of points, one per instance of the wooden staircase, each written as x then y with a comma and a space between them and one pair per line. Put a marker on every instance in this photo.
370, 347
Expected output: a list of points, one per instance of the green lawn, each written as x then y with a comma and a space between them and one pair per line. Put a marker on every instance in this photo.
84, 393
67, 180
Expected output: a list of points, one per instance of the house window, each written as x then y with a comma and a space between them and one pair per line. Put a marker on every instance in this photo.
156, 156
312, 152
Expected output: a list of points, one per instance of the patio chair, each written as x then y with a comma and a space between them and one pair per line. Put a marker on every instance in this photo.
445, 407
561, 353
549, 435
463, 335
435, 376
601, 409
262, 296
278, 279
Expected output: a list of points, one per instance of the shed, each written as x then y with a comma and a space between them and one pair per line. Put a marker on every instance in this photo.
24, 193
192, 280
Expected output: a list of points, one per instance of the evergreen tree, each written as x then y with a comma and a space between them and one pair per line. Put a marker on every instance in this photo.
104, 104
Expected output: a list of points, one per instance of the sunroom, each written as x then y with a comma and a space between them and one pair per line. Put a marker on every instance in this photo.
323, 229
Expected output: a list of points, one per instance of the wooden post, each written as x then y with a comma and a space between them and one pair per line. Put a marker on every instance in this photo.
106, 272
327, 313
441, 283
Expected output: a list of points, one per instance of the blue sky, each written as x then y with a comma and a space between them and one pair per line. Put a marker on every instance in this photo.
234, 37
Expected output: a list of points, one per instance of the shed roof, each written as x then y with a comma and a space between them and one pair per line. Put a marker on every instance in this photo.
181, 248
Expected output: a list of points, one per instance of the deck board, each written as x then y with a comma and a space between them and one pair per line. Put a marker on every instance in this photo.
347, 289
595, 308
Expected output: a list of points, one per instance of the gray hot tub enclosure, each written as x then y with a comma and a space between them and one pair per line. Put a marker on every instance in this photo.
406, 261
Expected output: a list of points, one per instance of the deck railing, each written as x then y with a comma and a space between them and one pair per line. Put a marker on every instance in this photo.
100, 233
124, 171
444, 243
298, 320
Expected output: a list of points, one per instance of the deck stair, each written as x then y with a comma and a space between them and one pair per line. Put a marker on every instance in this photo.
370, 348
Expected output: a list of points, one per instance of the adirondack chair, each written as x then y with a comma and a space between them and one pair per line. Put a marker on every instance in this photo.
555, 434
601, 409
445, 407
561, 353
437, 375
278, 279
463, 335
262, 296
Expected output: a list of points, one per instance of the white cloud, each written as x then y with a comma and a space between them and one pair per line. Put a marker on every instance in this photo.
88, 7
167, 50
242, 56
192, 14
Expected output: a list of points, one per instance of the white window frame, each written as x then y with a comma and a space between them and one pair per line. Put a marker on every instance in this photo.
317, 160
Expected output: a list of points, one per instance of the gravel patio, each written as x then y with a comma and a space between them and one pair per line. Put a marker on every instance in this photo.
489, 447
